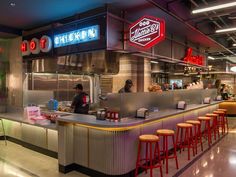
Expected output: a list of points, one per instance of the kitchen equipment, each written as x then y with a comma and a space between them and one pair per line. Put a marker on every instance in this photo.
218, 98
207, 100
181, 105
101, 114
142, 113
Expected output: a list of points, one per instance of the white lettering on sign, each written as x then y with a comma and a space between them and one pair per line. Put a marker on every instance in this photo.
147, 32
83, 35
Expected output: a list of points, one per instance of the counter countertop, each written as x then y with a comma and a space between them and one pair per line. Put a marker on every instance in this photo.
90, 120
18, 117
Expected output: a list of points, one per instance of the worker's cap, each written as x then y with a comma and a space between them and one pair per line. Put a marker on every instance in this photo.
129, 82
79, 86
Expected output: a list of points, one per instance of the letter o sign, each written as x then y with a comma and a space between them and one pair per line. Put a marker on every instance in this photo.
34, 46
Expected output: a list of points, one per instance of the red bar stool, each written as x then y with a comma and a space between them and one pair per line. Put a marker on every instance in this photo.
165, 133
188, 137
226, 118
221, 120
207, 129
215, 127
149, 160
197, 132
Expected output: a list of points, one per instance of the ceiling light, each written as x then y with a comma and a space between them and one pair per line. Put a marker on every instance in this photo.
233, 69
216, 7
155, 62
210, 57
12, 4
226, 30
234, 45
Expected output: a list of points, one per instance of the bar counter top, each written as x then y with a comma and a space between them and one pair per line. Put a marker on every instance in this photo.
90, 120
18, 117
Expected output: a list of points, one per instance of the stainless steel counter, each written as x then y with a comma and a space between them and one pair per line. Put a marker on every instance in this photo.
18, 117
91, 120
129, 121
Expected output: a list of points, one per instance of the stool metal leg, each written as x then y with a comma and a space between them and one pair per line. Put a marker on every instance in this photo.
4, 133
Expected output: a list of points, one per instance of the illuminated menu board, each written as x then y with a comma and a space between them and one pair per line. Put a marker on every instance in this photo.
78, 36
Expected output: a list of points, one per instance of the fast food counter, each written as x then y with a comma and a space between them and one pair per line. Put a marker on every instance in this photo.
105, 147
108, 148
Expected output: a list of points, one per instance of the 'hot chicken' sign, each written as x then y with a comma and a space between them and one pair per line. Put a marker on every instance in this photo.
147, 32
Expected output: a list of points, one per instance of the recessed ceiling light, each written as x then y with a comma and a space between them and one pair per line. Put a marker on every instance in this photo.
12, 4
234, 45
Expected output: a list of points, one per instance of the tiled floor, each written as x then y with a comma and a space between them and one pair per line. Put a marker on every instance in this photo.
219, 161
16, 161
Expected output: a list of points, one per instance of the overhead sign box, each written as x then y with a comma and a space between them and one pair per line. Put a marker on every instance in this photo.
147, 32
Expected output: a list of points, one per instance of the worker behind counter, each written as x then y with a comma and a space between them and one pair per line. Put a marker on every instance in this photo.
81, 100
127, 87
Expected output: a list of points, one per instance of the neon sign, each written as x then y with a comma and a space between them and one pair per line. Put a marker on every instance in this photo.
77, 36
196, 60
147, 32
34, 46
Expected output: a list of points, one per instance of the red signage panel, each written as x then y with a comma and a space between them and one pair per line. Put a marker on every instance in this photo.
196, 60
147, 32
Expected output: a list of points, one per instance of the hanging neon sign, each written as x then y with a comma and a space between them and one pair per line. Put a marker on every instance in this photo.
34, 46
147, 32
196, 60
77, 36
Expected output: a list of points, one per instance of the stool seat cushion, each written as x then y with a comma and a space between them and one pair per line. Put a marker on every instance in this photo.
224, 110
194, 122
204, 118
218, 112
151, 138
184, 125
165, 132
211, 115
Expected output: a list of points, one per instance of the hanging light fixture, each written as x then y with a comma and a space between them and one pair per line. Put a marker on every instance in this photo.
186, 71
199, 73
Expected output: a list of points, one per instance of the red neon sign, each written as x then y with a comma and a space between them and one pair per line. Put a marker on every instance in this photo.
147, 32
32, 45
35, 46
196, 60
43, 43
24, 47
